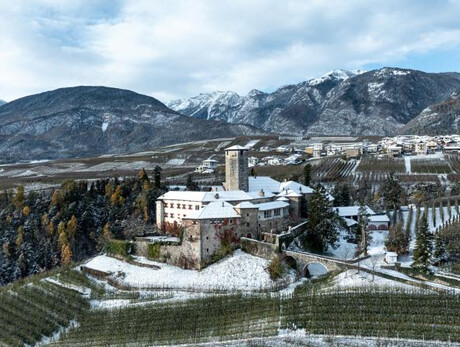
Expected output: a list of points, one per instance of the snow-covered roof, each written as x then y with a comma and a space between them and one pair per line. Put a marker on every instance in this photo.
267, 184
272, 205
183, 195
256, 195
346, 211
297, 187
214, 210
379, 218
350, 222
230, 195
236, 148
289, 193
246, 204
282, 199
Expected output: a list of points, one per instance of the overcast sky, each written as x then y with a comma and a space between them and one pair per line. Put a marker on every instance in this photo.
174, 49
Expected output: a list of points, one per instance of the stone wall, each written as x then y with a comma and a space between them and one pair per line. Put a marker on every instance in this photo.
258, 248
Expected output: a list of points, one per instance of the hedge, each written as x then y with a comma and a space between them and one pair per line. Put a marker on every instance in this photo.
118, 247
153, 251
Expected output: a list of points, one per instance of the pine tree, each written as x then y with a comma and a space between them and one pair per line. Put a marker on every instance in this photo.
440, 252
191, 185
307, 174
423, 247
72, 226
157, 176
322, 223
392, 192
19, 199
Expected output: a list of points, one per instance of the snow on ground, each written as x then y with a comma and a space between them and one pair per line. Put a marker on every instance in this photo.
175, 162
345, 249
238, 272
351, 278
161, 238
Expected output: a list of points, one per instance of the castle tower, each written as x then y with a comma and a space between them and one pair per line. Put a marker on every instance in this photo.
236, 168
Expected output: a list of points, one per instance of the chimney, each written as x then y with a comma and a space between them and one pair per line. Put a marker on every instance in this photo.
223, 204
261, 192
216, 196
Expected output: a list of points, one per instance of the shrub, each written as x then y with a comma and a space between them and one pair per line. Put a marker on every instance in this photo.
275, 269
118, 247
153, 251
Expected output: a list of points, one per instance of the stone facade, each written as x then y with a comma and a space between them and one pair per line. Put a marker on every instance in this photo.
236, 168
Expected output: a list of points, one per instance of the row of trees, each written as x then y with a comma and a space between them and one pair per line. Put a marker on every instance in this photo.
41, 230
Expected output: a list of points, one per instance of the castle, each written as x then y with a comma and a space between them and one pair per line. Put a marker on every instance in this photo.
245, 207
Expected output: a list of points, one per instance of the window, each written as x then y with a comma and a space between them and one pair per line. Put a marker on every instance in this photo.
231, 221
165, 215
178, 206
183, 206
267, 214
172, 215
171, 205
247, 214
197, 207
247, 224
207, 250
277, 212
189, 207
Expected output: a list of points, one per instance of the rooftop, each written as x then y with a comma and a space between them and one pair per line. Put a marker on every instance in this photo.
272, 205
346, 211
236, 148
215, 210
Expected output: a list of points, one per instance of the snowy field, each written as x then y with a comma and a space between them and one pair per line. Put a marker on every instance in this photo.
241, 272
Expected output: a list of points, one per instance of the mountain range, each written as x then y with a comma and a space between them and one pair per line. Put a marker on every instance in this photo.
2, 102
90, 121
378, 102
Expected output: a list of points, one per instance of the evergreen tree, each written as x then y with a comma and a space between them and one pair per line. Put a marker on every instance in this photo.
322, 223
440, 252
433, 214
342, 195
143, 177
392, 193
441, 211
307, 174
397, 240
190, 184
157, 176
423, 246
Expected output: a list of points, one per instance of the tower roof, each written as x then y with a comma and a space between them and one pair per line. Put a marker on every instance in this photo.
236, 148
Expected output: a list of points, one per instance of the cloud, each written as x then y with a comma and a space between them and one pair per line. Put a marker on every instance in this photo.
171, 49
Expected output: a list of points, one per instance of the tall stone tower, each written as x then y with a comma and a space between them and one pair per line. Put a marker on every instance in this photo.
236, 168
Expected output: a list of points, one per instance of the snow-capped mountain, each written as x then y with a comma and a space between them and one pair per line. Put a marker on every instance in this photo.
377, 102
2, 102
89, 121
437, 119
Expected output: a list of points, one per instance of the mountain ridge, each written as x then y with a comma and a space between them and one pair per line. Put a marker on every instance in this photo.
92, 120
376, 102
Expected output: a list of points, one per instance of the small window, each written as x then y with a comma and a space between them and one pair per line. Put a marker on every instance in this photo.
247, 224
197, 207
231, 221
171, 205
183, 206
247, 214
178, 206
207, 237
207, 250
189, 207
172, 215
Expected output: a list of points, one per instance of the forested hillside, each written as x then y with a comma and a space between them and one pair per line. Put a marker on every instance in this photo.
42, 230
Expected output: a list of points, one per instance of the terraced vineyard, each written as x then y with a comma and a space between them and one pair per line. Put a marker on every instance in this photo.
29, 312
332, 169
358, 312
431, 166
39, 308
